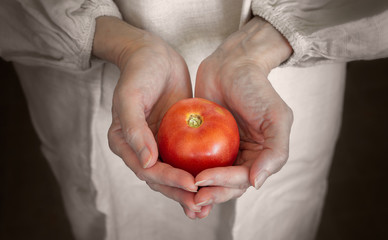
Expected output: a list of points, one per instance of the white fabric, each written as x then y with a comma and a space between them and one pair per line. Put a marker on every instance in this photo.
69, 99
329, 30
49, 32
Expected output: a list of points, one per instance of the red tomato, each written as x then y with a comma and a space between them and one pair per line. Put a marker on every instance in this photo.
196, 134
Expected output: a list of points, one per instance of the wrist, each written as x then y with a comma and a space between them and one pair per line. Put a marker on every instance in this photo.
264, 44
114, 39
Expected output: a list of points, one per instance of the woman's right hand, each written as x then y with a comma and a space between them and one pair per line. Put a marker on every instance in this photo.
153, 77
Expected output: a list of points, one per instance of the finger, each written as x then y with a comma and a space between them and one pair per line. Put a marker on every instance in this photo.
231, 177
165, 174
116, 136
269, 162
275, 150
183, 197
205, 211
131, 114
190, 214
211, 195
161, 173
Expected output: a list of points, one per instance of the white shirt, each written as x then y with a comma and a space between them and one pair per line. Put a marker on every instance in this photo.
60, 33
69, 96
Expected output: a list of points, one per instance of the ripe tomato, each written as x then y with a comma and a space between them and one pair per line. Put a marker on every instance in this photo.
196, 134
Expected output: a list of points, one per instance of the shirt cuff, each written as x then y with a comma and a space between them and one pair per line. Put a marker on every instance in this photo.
281, 19
95, 10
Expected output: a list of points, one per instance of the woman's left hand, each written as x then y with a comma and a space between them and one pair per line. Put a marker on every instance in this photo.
235, 76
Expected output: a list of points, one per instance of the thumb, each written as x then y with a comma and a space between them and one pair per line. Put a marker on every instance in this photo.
136, 131
275, 151
268, 163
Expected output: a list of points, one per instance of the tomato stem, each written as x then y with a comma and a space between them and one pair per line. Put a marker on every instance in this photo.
194, 121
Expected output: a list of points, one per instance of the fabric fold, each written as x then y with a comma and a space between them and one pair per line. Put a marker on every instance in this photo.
51, 33
328, 31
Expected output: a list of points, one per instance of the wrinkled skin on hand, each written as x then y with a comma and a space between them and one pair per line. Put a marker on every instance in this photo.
235, 76
153, 77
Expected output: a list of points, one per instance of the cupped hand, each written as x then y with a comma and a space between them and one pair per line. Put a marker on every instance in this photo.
235, 76
153, 77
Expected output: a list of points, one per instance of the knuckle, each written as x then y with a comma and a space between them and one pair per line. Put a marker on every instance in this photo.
280, 160
286, 112
140, 175
240, 193
110, 137
289, 114
131, 134
283, 156
112, 142
112, 145
152, 186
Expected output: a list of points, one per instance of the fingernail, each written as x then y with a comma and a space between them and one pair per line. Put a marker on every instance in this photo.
204, 203
260, 179
190, 189
191, 215
146, 157
204, 183
196, 210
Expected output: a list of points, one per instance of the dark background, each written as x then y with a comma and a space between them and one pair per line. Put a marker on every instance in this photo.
356, 203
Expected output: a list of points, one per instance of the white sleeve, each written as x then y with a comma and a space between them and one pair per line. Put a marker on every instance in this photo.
329, 30
51, 32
